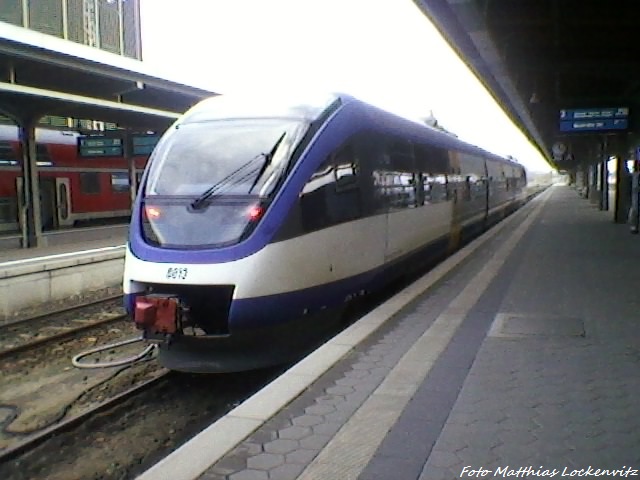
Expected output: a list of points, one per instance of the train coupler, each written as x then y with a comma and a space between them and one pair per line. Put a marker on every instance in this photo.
156, 315
164, 339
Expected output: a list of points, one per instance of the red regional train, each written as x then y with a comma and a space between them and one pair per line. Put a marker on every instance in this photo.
74, 189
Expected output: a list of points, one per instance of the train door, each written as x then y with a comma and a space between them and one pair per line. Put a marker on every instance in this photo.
20, 199
9, 212
48, 203
63, 202
454, 192
395, 178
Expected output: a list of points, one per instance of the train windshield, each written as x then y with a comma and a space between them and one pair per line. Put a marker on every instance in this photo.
197, 156
219, 173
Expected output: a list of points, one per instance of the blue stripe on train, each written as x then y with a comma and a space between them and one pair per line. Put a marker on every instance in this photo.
282, 308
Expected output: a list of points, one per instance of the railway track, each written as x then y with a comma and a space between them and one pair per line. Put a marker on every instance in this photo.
58, 337
58, 326
136, 428
33, 440
60, 310
42, 394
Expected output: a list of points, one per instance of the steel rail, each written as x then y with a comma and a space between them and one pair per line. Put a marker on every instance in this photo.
59, 311
59, 336
36, 439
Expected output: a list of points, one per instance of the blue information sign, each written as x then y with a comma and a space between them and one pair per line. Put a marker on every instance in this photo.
144, 144
594, 119
100, 147
594, 125
593, 113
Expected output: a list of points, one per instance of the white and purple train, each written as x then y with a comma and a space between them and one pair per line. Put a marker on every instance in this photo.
255, 223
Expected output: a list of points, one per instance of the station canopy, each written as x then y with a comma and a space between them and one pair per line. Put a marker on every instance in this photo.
563, 70
41, 74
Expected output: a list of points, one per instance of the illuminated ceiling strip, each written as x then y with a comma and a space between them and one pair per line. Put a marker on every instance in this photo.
22, 43
89, 101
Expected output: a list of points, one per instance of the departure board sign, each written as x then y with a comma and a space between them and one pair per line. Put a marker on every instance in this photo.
594, 119
144, 144
100, 147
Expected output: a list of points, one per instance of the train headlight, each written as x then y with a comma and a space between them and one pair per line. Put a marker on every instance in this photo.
255, 212
152, 213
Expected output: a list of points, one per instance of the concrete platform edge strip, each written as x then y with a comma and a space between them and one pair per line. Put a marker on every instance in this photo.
191, 459
15, 268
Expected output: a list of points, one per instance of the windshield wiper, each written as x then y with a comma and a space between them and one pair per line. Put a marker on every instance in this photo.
267, 160
234, 177
238, 176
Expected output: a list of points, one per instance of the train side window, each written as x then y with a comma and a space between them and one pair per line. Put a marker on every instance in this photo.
473, 170
332, 194
90, 183
312, 199
400, 151
439, 189
7, 154
345, 169
433, 164
119, 182
395, 176
522, 179
343, 201
42, 155
370, 149
8, 209
465, 186
397, 189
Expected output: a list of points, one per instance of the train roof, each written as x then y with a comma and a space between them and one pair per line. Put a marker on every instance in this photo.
310, 107
304, 107
416, 129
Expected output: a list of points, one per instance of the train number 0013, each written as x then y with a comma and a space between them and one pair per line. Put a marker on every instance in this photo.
177, 273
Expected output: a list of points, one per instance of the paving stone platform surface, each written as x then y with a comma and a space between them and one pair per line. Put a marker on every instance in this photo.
537, 374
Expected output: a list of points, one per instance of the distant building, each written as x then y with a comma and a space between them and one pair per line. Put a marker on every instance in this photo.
111, 25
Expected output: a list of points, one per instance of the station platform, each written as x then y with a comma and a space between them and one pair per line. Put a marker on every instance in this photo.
63, 242
519, 357
75, 265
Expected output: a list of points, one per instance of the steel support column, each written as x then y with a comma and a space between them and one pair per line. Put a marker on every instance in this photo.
582, 180
30, 216
622, 199
603, 201
593, 184
131, 166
